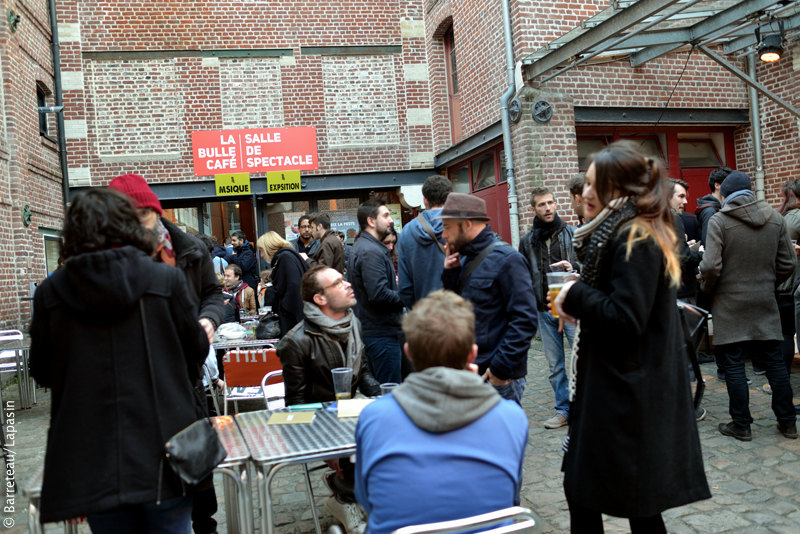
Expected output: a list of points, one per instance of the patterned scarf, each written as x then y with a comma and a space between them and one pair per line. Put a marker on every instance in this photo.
164, 251
590, 243
344, 329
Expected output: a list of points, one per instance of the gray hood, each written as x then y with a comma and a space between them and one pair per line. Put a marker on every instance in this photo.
748, 210
441, 399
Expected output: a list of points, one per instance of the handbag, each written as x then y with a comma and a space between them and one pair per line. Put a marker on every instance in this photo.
268, 327
195, 451
694, 321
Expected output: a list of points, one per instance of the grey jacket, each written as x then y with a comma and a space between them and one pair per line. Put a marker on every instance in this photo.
567, 253
748, 254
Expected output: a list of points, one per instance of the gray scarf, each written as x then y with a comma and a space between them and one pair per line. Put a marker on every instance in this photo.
344, 329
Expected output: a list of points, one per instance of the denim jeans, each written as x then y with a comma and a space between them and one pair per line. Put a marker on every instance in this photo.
170, 517
513, 390
768, 352
553, 342
383, 357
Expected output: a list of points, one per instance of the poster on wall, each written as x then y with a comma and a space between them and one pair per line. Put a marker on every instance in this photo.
290, 219
397, 214
344, 221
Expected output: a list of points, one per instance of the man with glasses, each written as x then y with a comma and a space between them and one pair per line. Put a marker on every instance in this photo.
305, 242
328, 337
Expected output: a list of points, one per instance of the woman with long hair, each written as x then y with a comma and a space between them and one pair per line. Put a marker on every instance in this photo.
787, 302
288, 268
98, 323
633, 450
391, 243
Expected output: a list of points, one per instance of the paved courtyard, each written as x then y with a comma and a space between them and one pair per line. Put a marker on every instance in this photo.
755, 485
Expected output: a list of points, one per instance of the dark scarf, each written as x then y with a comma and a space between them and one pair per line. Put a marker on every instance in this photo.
542, 231
591, 240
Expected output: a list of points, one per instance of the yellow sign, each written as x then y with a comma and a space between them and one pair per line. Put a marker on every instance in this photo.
232, 184
283, 181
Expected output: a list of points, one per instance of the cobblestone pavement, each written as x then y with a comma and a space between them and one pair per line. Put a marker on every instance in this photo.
755, 485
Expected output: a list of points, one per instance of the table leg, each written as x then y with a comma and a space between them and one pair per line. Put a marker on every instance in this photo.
23, 389
311, 499
265, 502
240, 523
34, 524
244, 474
231, 513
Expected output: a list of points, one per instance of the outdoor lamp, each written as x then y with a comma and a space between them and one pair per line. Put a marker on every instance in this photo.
770, 47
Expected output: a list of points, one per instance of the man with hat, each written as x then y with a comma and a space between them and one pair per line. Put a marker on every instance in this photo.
191, 256
748, 254
494, 278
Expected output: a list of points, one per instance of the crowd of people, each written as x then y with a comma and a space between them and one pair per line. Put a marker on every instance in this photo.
447, 310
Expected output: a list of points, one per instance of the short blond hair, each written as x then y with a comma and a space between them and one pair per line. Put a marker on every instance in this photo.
440, 331
270, 243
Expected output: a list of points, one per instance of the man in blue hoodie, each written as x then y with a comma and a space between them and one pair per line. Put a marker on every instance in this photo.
443, 445
421, 247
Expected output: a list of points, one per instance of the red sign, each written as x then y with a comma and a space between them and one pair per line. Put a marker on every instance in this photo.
261, 150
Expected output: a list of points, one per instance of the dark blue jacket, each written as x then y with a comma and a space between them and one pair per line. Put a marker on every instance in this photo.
245, 258
505, 307
420, 262
371, 272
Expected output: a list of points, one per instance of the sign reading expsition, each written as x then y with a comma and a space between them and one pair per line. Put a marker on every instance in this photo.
261, 150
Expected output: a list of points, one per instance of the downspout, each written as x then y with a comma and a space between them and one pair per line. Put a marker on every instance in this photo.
755, 126
513, 211
62, 143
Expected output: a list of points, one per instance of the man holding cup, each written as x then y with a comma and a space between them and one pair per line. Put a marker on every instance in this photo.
548, 248
324, 351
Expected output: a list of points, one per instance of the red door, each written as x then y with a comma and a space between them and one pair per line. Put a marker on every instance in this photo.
697, 178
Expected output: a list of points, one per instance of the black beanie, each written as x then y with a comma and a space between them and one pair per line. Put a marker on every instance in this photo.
736, 181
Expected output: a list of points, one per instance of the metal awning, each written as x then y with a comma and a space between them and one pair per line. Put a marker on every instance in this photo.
644, 30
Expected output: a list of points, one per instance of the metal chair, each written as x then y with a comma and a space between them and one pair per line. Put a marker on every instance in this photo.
273, 391
510, 520
12, 361
244, 367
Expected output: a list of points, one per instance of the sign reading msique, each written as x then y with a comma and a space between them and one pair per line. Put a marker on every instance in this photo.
259, 150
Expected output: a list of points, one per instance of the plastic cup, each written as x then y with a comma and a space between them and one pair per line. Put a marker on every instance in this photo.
555, 281
388, 387
342, 382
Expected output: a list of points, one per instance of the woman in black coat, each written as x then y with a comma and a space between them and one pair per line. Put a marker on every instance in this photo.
105, 451
288, 268
633, 449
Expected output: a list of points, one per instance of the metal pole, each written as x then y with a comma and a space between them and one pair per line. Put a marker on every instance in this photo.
62, 143
513, 204
755, 126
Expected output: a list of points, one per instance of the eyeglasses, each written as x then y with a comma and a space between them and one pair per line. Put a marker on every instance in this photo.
305, 226
338, 284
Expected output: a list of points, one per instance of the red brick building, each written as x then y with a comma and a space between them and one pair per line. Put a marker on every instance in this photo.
395, 92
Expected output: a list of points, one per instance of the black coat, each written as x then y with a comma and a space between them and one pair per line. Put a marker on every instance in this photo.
690, 259
372, 274
307, 356
288, 268
634, 450
192, 258
245, 258
87, 344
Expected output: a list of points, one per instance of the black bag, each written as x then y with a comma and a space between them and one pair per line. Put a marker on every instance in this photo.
195, 451
268, 327
694, 321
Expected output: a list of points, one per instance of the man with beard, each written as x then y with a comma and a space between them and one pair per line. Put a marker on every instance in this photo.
330, 251
548, 248
378, 303
487, 272
190, 255
245, 257
305, 242
243, 295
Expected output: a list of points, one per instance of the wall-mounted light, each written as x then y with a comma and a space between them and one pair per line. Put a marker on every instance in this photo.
770, 47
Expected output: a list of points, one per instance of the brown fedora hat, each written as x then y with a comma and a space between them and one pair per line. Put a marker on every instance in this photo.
461, 206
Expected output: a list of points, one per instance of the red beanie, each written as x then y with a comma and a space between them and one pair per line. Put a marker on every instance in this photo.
135, 187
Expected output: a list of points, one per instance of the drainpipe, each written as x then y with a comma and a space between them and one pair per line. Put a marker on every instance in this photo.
513, 211
755, 126
62, 143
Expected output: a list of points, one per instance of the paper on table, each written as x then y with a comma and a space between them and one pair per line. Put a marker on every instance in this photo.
352, 407
293, 418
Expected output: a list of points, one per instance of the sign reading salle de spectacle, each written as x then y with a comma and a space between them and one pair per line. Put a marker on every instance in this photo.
258, 150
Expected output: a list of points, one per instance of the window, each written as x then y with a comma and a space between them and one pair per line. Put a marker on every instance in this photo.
698, 153
483, 171
454, 99
451, 58
51, 253
41, 101
588, 146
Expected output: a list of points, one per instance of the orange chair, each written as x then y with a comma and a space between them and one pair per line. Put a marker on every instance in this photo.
244, 370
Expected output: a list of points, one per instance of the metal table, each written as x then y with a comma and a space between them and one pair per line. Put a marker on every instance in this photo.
234, 468
273, 447
27, 393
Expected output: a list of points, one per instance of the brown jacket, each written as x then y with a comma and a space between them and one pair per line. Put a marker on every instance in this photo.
748, 254
330, 252
246, 299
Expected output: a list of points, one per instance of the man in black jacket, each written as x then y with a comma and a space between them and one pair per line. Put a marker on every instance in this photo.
328, 337
708, 205
505, 306
244, 256
548, 248
375, 284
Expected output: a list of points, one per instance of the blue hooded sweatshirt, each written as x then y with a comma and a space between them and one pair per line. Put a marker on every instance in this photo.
420, 262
